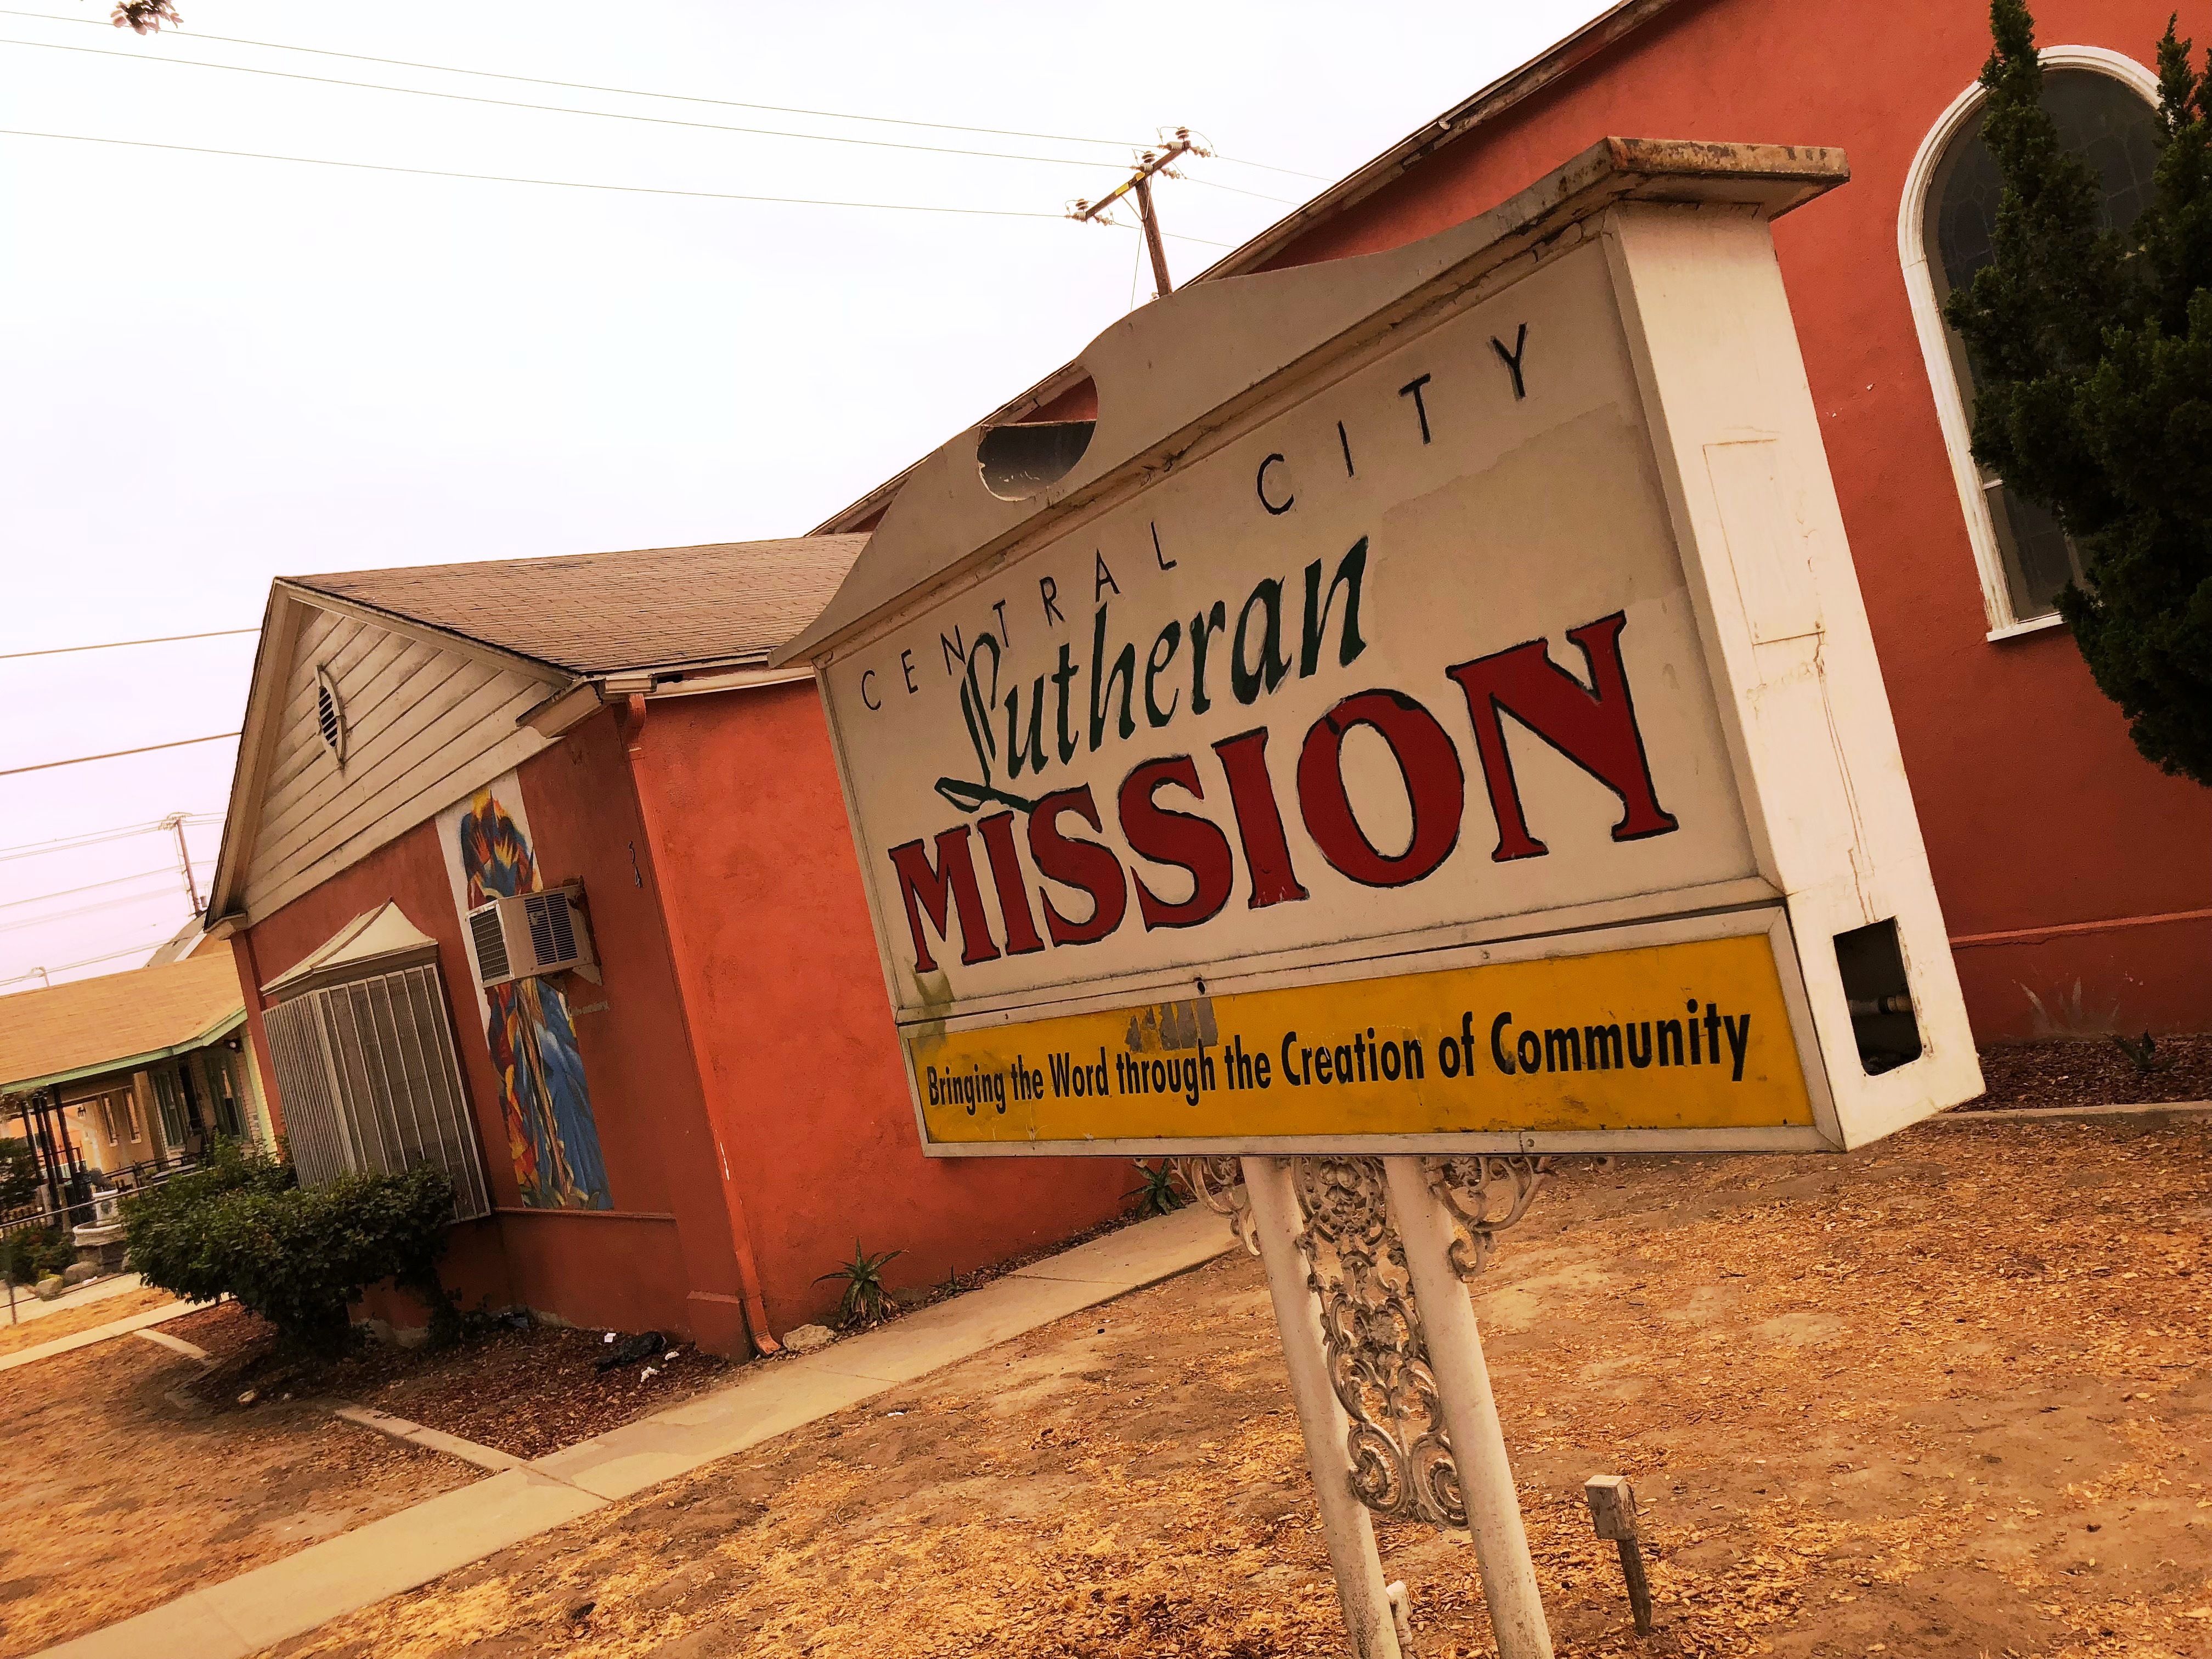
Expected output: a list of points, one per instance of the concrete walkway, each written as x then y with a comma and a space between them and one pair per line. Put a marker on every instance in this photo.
138, 1322
28, 1307
237, 1617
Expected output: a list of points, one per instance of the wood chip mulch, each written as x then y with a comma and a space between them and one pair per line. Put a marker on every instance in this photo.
2092, 1071
1944, 1397
525, 1392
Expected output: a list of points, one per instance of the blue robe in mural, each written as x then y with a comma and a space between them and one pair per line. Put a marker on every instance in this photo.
552, 1134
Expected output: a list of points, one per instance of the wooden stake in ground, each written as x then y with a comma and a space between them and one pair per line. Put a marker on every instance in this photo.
1612, 1513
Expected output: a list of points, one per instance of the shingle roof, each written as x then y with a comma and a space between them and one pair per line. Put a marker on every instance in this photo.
90, 1023
607, 613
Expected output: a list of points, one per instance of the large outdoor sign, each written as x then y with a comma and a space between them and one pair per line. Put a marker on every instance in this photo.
1434, 711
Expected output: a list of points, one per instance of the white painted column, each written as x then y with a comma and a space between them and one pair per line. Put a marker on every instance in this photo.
1478, 1442
1347, 1527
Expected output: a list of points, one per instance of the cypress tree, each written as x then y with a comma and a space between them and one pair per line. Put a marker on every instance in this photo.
2092, 354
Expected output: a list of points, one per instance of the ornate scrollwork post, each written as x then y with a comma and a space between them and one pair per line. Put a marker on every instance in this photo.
1485, 1194
1401, 1462
1383, 1392
1218, 1183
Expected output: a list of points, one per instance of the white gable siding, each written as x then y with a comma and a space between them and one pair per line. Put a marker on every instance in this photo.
425, 725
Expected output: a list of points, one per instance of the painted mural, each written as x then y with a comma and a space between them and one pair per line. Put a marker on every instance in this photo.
551, 1135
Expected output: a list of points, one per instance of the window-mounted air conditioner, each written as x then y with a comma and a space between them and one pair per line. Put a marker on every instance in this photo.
531, 934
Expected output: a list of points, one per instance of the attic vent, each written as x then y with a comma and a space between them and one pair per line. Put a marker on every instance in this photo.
330, 713
490, 941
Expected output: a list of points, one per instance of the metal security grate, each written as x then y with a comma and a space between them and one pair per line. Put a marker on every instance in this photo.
371, 1085
552, 935
490, 941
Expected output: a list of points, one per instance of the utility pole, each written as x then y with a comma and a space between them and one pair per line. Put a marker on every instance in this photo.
1138, 185
176, 821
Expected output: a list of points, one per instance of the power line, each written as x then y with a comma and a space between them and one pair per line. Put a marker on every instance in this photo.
95, 837
22, 922
87, 961
555, 109
112, 645
1237, 190
560, 184
114, 754
1264, 166
626, 92
67, 892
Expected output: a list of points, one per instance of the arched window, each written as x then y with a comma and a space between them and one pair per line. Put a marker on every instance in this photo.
2105, 109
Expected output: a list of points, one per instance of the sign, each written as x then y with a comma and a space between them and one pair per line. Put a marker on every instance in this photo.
1406, 639
1653, 1037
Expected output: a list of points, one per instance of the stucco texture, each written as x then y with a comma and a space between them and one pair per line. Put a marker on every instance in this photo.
2037, 811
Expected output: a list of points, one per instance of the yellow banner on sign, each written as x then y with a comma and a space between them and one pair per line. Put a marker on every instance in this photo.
1667, 1037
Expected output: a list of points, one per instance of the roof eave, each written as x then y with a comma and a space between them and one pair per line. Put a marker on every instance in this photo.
257, 749
215, 1033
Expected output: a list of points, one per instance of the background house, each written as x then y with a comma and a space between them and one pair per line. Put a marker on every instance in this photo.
689, 1134
2073, 874
144, 1068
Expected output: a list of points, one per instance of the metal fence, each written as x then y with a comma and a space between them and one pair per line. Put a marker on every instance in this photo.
79, 1207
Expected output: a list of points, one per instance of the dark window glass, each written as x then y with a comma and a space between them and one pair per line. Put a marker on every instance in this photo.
2105, 121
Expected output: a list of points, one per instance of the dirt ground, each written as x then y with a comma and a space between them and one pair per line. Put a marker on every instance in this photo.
1950, 1396
2092, 1071
114, 1498
70, 1321
527, 1392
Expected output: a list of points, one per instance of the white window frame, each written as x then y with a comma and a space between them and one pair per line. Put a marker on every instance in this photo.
1934, 338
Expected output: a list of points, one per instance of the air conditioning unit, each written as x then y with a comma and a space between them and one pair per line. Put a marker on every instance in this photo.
531, 934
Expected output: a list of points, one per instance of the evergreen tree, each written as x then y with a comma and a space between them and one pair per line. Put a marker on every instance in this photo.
2092, 353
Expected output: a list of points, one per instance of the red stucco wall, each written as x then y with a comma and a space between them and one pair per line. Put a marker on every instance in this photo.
2038, 811
629, 1269
802, 1076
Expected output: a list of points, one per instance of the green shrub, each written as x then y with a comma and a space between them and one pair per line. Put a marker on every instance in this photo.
29, 1254
297, 1256
19, 1174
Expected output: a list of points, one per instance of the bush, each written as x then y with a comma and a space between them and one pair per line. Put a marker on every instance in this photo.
29, 1254
19, 1174
300, 1257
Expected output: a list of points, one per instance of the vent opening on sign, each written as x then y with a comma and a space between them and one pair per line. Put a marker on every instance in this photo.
1872, 967
552, 936
1021, 461
490, 942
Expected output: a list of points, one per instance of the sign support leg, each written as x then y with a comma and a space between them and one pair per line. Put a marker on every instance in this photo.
1347, 1526
1486, 1474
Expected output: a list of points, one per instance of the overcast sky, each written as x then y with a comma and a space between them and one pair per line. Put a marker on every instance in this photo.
214, 371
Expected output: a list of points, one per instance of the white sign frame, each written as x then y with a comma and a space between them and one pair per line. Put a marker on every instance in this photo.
1683, 230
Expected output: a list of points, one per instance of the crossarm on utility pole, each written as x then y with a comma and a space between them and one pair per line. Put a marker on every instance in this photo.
1138, 185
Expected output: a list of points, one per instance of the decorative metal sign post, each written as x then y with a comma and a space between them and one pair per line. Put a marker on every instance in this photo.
1423, 723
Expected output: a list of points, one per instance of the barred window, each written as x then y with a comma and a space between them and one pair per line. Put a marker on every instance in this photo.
371, 1085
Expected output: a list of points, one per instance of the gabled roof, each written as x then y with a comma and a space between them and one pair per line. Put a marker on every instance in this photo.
706, 617
611, 613
379, 939
117, 1021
